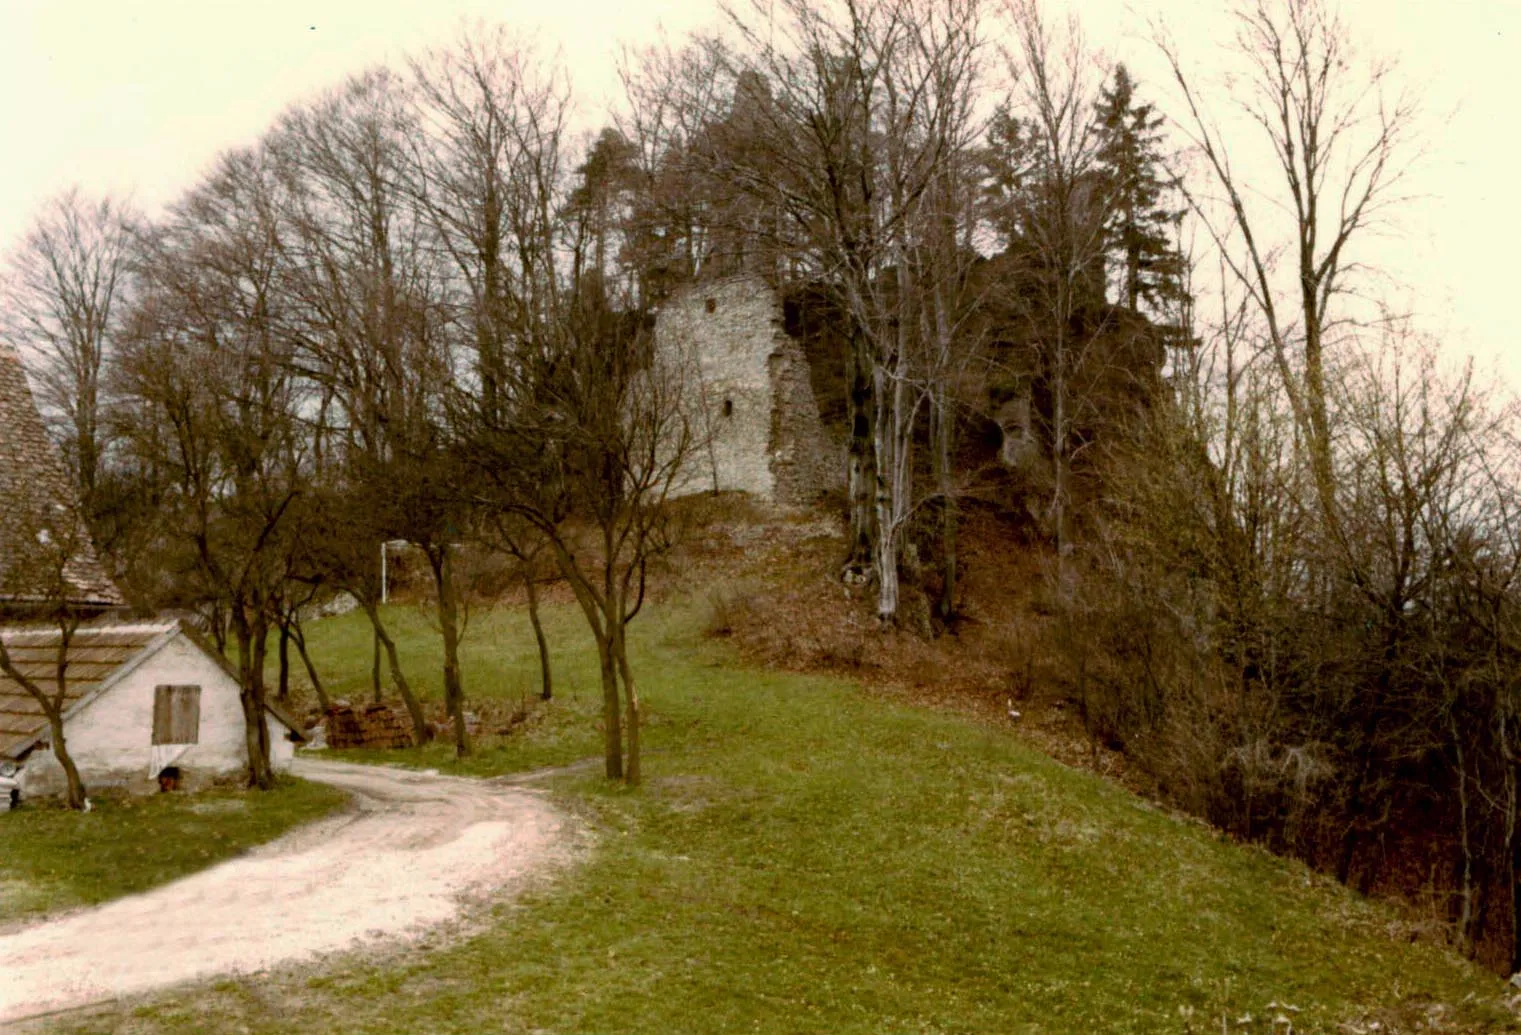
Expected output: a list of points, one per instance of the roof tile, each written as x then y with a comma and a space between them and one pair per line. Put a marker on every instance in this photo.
35, 652
31, 473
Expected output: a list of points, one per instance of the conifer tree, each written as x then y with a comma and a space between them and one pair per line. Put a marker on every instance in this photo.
1130, 161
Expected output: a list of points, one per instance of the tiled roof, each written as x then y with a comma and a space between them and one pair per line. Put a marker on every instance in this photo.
33, 477
95, 654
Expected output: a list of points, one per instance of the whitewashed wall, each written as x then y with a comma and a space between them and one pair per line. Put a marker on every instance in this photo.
111, 739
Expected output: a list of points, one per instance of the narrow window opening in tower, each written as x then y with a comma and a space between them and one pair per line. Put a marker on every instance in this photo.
711, 305
728, 407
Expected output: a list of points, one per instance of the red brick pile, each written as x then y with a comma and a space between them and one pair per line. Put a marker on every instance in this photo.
373, 726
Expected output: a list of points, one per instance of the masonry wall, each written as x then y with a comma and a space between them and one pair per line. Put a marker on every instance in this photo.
748, 393
111, 739
802, 460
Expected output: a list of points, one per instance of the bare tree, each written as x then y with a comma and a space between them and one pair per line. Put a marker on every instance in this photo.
371, 334
486, 176
210, 404
50, 543
588, 459
846, 118
1340, 132
484, 173
58, 305
566, 433
1052, 207
684, 224
585, 453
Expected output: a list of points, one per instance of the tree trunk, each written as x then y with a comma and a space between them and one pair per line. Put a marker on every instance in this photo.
421, 731
1465, 925
252, 644
861, 475
940, 413
612, 743
595, 608
299, 635
261, 727
448, 621
75, 795
1060, 464
887, 577
538, 633
375, 658
1513, 869
631, 772
1322, 467
52, 707
884, 551
894, 487
283, 693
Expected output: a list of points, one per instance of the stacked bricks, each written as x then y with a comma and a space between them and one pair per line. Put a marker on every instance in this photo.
374, 726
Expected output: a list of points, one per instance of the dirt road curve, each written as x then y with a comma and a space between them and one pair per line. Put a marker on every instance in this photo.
401, 861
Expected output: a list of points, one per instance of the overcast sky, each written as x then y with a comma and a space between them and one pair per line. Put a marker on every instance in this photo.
139, 95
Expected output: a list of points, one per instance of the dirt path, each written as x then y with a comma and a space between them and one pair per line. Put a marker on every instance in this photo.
401, 861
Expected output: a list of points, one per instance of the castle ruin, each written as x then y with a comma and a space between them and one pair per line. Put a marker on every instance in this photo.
750, 401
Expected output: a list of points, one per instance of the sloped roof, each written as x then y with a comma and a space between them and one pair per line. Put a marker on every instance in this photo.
98, 657
32, 475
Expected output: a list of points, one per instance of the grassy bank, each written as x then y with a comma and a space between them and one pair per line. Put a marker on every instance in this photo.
52, 858
804, 858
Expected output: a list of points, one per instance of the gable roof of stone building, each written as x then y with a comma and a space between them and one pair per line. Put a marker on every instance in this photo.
32, 477
98, 658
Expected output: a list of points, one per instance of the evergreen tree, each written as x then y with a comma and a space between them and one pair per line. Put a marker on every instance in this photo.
1139, 219
599, 206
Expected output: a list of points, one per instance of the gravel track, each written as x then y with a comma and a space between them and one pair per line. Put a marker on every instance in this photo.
414, 846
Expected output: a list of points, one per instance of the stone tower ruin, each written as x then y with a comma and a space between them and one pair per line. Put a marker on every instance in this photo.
749, 398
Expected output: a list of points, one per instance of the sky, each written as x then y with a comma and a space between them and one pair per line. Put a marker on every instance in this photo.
139, 96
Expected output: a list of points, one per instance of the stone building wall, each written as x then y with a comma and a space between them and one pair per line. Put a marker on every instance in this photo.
750, 401
802, 460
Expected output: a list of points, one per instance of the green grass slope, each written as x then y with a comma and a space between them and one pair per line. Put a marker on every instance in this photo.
806, 858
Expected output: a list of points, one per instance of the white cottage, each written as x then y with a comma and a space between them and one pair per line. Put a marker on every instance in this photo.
141, 697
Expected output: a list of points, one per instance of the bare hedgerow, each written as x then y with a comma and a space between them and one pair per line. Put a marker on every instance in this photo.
731, 609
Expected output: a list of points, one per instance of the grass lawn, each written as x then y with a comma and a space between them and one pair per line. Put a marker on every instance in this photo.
52, 858
805, 858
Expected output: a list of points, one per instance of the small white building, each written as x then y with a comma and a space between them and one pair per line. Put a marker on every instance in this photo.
140, 697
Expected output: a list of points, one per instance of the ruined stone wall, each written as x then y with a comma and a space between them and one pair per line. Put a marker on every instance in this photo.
749, 399
802, 460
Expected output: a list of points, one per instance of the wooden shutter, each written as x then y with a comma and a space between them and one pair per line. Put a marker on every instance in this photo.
176, 715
